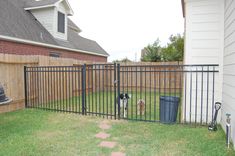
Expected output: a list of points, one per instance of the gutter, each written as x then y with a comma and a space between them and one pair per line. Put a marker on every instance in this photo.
13, 39
183, 7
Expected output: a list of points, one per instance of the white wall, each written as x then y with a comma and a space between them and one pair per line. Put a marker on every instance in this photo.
203, 45
229, 65
204, 31
45, 17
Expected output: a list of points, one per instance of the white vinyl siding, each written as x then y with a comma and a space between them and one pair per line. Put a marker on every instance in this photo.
204, 45
45, 17
203, 31
229, 65
48, 17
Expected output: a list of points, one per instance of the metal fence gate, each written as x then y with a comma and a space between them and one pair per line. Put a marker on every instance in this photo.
98, 89
86, 89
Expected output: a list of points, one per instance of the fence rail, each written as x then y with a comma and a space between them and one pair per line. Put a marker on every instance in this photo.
95, 89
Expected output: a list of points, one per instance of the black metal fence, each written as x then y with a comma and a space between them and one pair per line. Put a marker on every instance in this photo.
96, 90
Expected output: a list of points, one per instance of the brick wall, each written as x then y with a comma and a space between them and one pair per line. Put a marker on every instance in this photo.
8, 47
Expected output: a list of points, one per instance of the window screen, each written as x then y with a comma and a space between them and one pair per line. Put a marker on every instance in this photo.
61, 22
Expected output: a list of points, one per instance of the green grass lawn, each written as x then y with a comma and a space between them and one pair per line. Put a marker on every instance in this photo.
34, 132
104, 103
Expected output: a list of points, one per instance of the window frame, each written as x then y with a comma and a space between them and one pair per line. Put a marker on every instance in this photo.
54, 54
60, 21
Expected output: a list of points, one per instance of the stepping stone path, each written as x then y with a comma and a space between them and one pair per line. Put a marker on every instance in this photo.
104, 126
102, 135
107, 144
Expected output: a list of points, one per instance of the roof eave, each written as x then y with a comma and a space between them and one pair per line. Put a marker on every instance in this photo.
71, 13
39, 7
18, 40
78, 30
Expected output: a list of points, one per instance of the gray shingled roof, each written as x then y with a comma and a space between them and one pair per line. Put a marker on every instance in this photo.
18, 23
73, 25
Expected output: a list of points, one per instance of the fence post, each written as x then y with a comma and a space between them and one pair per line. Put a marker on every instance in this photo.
118, 81
25, 87
84, 89
115, 90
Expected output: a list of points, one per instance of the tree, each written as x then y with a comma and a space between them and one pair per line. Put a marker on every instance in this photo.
152, 53
125, 60
174, 51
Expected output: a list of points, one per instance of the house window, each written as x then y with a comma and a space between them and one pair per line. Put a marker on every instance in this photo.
61, 22
53, 54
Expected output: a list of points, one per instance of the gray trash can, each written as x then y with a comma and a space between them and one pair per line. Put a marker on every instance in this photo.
168, 109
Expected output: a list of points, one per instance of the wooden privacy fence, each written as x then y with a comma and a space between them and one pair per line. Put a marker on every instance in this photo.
12, 76
134, 78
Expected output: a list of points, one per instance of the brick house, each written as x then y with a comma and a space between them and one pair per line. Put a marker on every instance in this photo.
42, 27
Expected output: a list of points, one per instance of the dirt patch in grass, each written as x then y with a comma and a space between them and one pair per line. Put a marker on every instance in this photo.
74, 119
173, 147
211, 135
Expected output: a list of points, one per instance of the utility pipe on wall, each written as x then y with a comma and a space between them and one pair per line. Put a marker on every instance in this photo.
228, 129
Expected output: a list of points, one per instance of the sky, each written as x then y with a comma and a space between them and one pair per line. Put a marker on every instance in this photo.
124, 27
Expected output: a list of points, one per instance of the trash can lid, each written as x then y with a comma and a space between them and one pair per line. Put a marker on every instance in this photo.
170, 98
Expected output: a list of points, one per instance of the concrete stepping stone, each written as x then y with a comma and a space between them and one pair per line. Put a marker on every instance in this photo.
102, 135
108, 144
118, 154
104, 126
